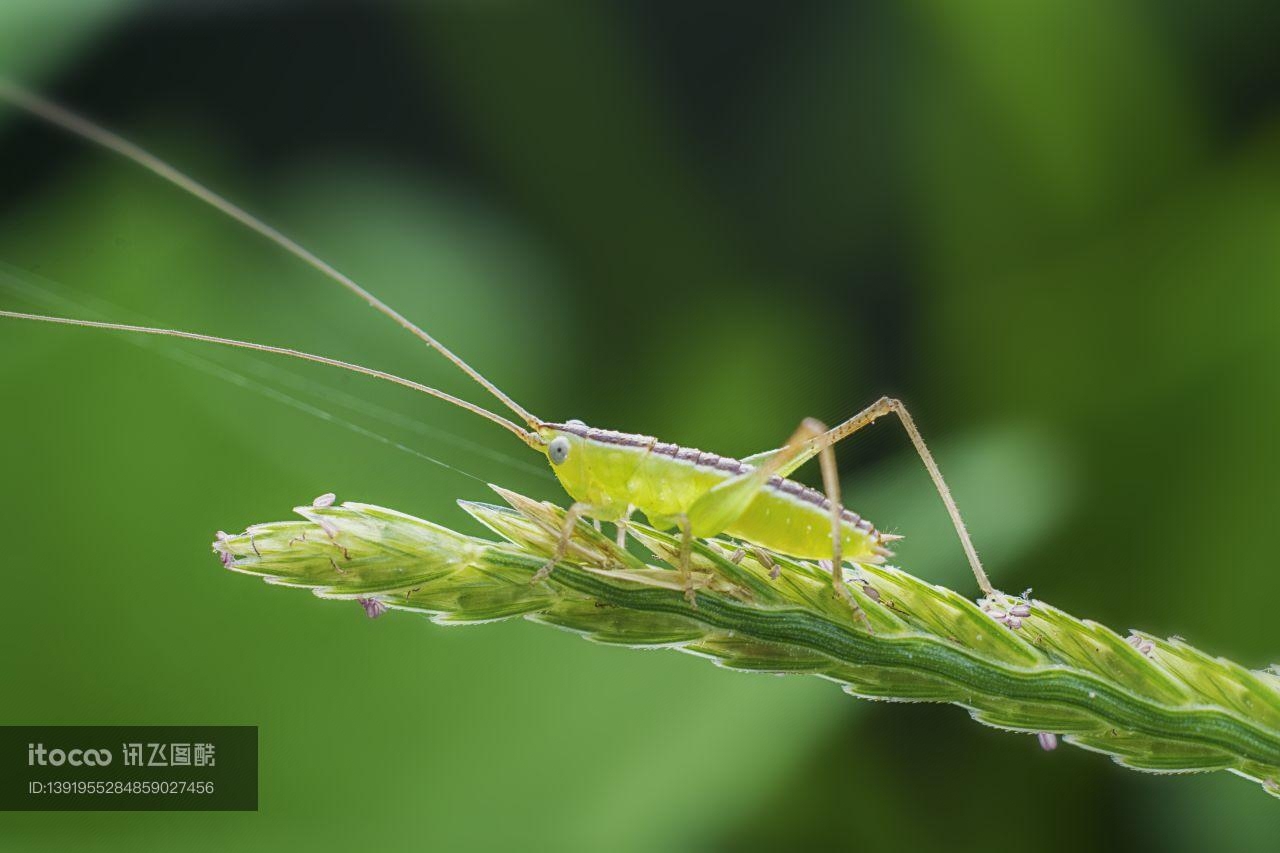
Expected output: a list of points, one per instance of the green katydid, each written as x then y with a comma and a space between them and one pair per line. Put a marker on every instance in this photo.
608, 474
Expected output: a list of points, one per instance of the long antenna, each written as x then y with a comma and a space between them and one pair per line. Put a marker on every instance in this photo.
67, 120
527, 437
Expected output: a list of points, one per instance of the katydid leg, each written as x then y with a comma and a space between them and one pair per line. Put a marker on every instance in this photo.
831, 485
868, 416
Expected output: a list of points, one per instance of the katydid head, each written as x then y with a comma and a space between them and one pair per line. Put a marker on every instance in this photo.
558, 441
594, 465
564, 445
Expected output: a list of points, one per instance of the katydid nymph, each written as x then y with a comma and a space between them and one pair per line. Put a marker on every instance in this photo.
609, 475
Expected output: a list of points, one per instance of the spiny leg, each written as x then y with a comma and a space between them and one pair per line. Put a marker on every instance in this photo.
831, 484
868, 416
571, 516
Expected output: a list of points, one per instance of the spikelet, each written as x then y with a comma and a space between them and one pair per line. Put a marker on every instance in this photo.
1018, 664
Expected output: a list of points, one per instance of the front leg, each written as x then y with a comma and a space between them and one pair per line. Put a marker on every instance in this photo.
571, 517
684, 551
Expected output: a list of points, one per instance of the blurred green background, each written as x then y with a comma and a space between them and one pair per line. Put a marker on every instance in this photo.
1053, 228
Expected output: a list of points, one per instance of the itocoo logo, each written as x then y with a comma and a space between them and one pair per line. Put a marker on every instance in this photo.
38, 755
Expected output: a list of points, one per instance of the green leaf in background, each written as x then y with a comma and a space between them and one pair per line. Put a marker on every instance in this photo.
39, 36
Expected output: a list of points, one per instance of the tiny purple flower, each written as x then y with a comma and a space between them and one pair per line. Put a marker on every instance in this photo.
324, 500
373, 607
225, 556
1048, 741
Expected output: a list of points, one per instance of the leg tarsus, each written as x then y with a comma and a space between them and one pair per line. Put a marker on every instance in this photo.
841, 590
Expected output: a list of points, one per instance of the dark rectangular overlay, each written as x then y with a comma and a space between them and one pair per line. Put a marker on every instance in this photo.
128, 768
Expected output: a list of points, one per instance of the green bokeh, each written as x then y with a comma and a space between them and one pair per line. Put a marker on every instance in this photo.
1052, 228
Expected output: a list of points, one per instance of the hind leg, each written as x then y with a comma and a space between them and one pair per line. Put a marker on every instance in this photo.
868, 416
831, 485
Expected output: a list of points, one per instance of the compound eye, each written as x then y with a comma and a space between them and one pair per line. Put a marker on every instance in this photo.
558, 450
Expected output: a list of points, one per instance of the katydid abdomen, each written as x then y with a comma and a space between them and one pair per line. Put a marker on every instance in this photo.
795, 520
